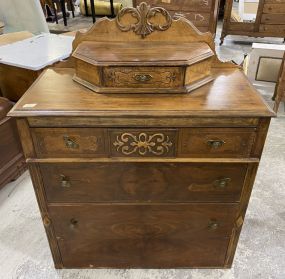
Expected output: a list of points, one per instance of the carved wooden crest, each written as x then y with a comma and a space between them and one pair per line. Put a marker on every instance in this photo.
143, 14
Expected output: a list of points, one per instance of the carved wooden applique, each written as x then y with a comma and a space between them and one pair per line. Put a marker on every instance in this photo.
143, 13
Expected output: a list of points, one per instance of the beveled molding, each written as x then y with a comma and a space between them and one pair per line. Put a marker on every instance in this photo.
75, 121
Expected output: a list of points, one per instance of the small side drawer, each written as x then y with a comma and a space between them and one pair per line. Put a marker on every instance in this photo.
218, 142
70, 142
274, 8
143, 142
273, 18
143, 182
144, 77
274, 28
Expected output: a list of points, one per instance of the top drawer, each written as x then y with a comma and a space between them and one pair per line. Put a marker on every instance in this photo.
143, 142
70, 142
216, 142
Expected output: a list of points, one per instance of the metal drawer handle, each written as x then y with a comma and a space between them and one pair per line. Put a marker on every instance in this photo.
215, 143
70, 143
213, 225
65, 181
142, 77
222, 183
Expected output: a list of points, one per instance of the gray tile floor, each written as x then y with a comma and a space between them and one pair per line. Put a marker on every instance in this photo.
25, 254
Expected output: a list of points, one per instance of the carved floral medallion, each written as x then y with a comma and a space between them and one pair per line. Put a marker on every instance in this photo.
143, 144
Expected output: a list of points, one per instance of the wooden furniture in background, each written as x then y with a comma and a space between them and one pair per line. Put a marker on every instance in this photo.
15, 81
269, 22
202, 13
279, 93
143, 180
18, 74
12, 161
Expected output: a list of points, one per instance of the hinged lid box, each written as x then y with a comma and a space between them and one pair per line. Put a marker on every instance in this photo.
142, 67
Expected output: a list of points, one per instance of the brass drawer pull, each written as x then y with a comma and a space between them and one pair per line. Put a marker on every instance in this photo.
222, 183
70, 143
215, 143
142, 77
213, 225
65, 181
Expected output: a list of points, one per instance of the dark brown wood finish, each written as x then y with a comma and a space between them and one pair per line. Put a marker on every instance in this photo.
72, 142
148, 236
143, 180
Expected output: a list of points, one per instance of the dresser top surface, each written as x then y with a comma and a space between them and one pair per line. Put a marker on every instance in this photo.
56, 94
144, 53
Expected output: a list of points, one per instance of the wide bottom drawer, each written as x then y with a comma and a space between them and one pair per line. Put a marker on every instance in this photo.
146, 236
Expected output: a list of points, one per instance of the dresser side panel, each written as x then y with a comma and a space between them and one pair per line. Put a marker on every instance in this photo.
27, 144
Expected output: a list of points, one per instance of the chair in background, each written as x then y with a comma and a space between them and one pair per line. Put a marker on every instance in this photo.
96, 9
59, 5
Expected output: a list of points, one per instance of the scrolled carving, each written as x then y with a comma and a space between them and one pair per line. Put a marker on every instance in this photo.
143, 144
143, 13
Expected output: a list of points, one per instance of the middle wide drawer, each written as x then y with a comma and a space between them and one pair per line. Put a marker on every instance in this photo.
143, 182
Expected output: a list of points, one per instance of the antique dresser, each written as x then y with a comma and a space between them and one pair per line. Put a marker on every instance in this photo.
142, 180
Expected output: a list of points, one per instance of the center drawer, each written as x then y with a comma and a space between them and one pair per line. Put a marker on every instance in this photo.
143, 142
143, 182
144, 77
158, 235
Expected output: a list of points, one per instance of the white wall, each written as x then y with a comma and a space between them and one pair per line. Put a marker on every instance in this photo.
19, 15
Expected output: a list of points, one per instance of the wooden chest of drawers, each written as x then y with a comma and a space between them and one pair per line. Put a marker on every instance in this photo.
269, 21
143, 180
149, 188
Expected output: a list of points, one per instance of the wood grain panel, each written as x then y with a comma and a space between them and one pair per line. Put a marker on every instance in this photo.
219, 142
143, 235
274, 8
273, 19
231, 94
276, 28
143, 182
274, 1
